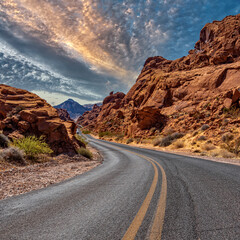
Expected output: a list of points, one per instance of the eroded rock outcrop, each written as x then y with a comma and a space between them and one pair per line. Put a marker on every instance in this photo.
63, 114
180, 94
23, 113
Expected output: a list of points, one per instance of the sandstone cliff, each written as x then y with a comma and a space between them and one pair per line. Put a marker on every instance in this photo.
23, 113
182, 94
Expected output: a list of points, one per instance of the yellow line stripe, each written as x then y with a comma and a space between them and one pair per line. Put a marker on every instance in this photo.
157, 227
137, 221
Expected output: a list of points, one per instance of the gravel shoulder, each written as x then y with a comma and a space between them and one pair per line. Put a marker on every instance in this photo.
19, 180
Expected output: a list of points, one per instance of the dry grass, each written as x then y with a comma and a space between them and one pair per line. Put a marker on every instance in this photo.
208, 147
85, 152
168, 140
222, 153
12, 155
129, 140
146, 141
178, 144
157, 141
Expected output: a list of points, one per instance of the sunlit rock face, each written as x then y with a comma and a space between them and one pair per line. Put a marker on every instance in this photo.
180, 94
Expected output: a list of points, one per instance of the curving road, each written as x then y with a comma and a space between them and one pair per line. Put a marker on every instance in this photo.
135, 194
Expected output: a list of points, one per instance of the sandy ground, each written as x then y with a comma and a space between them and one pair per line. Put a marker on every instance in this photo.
183, 152
19, 180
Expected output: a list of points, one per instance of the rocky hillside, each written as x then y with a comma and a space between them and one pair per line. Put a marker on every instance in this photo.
23, 113
181, 95
89, 107
63, 114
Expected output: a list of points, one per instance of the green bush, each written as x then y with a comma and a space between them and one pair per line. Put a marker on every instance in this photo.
33, 146
103, 134
13, 154
85, 152
4, 141
85, 131
81, 139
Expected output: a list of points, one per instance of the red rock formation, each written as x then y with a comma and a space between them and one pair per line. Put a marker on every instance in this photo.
63, 114
89, 118
180, 93
23, 113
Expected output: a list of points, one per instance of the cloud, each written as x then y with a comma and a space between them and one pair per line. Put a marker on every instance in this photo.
83, 48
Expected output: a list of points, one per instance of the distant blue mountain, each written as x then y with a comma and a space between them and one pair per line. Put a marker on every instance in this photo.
74, 108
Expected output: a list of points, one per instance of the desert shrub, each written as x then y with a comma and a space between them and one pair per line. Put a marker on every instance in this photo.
13, 154
146, 141
85, 131
119, 137
81, 139
178, 144
204, 127
85, 152
195, 133
137, 140
202, 138
129, 140
4, 141
203, 153
237, 145
166, 141
103, 134
227, 137
32, 146
156, 141
225, 122
176, 135
208, 147
222, 153
168, 131
232, 112
196, 151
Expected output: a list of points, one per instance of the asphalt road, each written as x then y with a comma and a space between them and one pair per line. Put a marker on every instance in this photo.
136, 193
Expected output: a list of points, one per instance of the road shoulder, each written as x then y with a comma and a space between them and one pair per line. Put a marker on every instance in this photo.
19, 180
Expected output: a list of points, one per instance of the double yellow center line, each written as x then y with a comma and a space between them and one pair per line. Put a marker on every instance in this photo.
157, 225
156, 230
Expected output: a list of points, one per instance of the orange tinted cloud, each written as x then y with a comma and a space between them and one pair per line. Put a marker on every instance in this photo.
83, 31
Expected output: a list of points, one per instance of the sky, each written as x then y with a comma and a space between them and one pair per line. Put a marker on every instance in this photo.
84, 49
